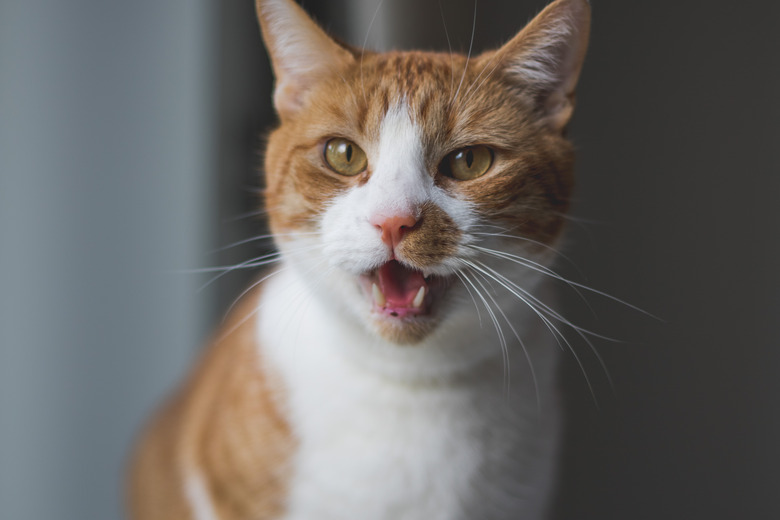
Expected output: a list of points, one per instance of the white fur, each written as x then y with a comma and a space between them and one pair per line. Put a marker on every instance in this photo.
430, 431
198, 497
373, 446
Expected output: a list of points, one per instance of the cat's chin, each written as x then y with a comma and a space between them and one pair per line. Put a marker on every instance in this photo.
404, 302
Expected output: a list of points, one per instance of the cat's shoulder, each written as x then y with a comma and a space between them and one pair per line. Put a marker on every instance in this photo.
221, 445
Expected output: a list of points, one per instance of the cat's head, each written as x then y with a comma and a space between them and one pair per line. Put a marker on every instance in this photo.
404, 185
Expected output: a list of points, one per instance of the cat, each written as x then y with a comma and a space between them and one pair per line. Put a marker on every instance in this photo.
400, 363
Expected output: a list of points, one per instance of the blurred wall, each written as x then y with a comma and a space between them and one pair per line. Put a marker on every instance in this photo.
128, 150
106, 156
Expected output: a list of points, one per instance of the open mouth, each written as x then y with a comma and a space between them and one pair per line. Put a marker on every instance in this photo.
399, 291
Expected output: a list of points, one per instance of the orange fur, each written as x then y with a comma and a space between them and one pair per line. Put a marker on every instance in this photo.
225, 423
527, 189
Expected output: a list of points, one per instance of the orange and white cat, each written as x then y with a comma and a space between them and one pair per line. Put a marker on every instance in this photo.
400, 363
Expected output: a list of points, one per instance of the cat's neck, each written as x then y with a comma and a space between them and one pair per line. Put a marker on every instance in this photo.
467, 345
365, 422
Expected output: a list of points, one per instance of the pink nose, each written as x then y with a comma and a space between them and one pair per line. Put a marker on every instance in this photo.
393, 228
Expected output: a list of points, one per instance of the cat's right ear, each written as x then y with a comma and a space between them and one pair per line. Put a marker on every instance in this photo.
301, 53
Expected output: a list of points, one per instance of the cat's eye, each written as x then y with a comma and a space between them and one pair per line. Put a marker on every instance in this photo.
345, 157
467, 163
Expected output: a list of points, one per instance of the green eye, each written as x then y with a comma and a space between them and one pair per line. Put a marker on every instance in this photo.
345, 157
467, 163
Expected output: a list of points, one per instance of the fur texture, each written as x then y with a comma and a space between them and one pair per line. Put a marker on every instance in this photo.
400, 363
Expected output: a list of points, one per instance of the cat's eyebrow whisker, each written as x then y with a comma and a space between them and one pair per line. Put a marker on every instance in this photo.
474, 87
363, 49
468, 56
548, 323
449, 46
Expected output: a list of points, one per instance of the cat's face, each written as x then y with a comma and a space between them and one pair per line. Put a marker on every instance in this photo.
400, 185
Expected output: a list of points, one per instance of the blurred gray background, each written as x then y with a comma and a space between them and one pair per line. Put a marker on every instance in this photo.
128, 153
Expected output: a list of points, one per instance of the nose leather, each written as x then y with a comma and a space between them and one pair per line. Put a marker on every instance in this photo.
393, 228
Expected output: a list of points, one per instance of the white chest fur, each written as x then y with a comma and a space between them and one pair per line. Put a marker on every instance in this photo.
372, 446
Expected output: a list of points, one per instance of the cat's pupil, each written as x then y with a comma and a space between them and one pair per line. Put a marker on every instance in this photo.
469, 158
349, 153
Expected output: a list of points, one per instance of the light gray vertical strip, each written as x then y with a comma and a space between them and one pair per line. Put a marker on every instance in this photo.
438, 25
370, 24
105, 152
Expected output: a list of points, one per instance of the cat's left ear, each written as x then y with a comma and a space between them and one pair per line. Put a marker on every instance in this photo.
301, 53
546, 57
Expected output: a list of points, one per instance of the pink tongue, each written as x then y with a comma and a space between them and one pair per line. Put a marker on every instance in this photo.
399, 284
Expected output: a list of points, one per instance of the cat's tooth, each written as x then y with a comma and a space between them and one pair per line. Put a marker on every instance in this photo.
379, 298
418, 300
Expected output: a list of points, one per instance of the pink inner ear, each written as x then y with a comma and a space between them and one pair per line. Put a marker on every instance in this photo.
302, 54
399, 284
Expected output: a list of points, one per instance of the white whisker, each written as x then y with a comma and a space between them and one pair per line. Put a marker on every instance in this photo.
249, 289
530, 241
449, 46
246, 264
522, 345
363, 48
468, 56
550, 325
535, 266
242, 216
476, 306
264, 237
254, 311
496, 324
473, 83
252, 263
525, 262
549, 311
